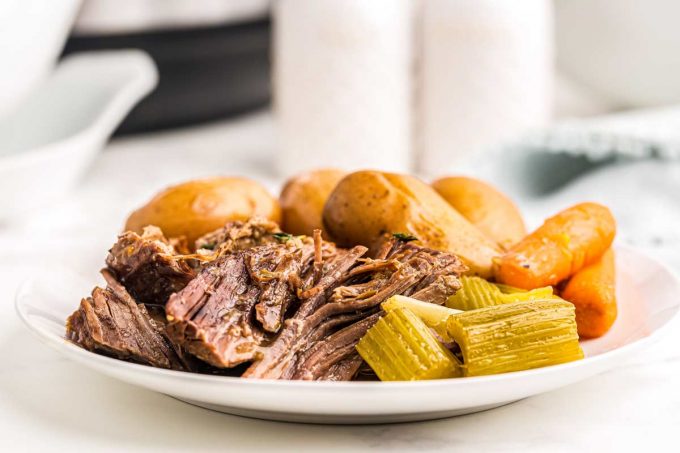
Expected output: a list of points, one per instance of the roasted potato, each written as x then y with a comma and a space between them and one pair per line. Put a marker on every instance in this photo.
194, 208
367, 204
303, 197
485, 207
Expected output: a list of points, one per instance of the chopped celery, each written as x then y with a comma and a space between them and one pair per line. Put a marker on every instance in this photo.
479, 293
474, 293
400, 347
507, 289
516, 336
527, 296
434, 316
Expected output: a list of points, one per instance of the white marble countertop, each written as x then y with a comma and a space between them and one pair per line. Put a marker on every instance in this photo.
49, 403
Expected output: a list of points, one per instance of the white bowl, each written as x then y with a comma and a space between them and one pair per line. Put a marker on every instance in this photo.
32, 33
626, 50
51, 138
647, 300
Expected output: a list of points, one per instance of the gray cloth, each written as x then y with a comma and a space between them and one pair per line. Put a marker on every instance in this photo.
552, 157
629, 162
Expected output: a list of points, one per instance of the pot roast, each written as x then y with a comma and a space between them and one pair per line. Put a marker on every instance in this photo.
252, 300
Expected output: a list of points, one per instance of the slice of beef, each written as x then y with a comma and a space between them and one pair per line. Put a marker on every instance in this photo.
157, 315
346, 369
334, 357
212, 317
240, 235
112, 323
148, 266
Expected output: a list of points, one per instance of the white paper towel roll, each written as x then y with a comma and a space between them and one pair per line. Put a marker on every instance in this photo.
486, 76
342, 83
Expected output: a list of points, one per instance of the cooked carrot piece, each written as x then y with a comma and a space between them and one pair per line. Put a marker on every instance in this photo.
592, 290
564, 244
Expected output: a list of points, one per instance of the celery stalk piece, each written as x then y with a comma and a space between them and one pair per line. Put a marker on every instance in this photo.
400, 347
434, 316
474, 293
526, 296
479, 293
507, 289
516, 336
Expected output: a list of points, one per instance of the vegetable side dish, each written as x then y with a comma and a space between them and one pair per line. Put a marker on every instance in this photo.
357, 276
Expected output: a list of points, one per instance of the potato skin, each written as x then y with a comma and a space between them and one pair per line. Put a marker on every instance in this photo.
303, 198
367, 204
196, 207
485, 207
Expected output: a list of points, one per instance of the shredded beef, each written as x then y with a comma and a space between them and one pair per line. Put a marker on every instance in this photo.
405, 269
211, 318
280, 281
148, 266
334, 357
346, 369
240, 235
278, 360
261, 303
238, 301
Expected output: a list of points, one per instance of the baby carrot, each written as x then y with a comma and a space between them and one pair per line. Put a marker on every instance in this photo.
592, 290
564, 244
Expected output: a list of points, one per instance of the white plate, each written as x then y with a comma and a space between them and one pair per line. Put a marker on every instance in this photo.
648, 300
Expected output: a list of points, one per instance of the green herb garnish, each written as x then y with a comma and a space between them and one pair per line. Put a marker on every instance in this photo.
282, 237
405, 237
209, 246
